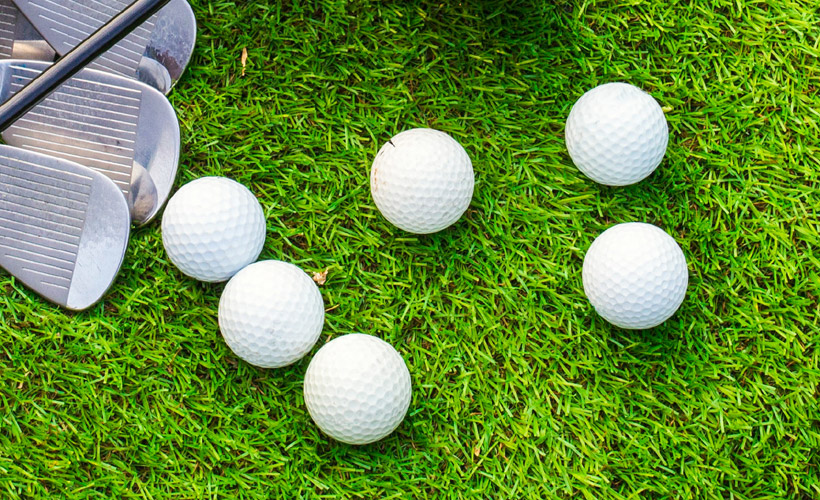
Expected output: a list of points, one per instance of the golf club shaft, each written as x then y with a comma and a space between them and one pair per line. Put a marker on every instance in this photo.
67, 66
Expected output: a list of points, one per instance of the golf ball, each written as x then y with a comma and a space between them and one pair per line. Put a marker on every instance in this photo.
617, 134
271, 314
212, 228
635, 275
357, 389
422, 181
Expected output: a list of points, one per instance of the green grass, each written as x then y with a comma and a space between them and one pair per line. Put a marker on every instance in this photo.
520, 390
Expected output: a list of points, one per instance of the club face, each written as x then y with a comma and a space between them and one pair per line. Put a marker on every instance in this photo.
156, 53
117, 126
63, 227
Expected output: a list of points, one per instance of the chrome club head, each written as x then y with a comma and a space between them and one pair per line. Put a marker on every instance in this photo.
118, 126
63, 227
156, 53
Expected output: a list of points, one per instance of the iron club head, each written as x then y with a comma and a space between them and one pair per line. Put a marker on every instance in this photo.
117, 126
157, 53
63, 227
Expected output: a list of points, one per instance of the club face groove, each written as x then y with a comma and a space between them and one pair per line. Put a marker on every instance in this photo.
117, 126
63, 227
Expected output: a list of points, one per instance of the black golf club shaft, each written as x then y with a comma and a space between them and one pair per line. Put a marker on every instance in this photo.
81, 56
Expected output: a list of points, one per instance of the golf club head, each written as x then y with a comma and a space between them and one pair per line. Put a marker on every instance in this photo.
63, 227
156, 53
19, 39
117, 126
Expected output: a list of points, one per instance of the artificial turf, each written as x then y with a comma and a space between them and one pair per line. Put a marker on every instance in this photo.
520, 390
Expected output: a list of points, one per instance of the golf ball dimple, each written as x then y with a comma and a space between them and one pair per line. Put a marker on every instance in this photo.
617, 134
422, 181
357, 389
635, 275
212, 228
271, 314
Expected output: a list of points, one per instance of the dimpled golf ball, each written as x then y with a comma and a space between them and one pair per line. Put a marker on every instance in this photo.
357, 389
635, 275
617, 134
212, 228
271, 314
422, 181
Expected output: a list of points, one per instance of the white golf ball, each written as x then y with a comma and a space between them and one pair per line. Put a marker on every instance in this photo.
635, 275
357, 389
271, 314
617, 134
212, 228
422, 181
